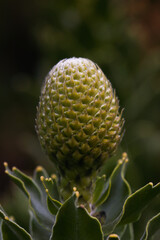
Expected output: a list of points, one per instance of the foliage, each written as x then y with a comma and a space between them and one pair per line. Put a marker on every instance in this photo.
111, 215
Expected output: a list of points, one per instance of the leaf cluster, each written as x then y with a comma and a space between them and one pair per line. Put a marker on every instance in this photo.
114, 209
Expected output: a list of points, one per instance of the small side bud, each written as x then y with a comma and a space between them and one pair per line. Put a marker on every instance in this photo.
124, 155
42, 178
74, 189
126, 160
5, 164
54, 176
77, 194
120, 161
151, 184
39, 169
113, 237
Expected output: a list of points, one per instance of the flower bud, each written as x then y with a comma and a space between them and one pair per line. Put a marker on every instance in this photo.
78, 120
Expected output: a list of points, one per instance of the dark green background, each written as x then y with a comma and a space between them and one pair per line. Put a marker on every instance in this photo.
121, 36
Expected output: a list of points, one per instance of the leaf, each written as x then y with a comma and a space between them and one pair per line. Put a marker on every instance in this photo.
53, 205
119, 191
38, 173
74, 223
55, 189
99, 187
32, 191
38, 232
103, 194
1, 229
135, 203
152, 227
129, 233
120, 230
51, 188
11, 230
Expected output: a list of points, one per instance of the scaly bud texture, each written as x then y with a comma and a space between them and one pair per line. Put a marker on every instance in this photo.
78, 120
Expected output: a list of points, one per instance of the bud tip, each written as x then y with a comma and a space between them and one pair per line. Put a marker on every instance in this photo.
120, 161
39, 168
42, 178
113, 236
74, 189
151, 184
126, 160
5, 164
77, 194
53, 176
124, 155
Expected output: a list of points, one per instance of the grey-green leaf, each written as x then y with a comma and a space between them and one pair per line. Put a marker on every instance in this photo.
38, 231
99, 188
1, 229
11, 230
105, 188
53, 205
136, 202
38, 173
152, 227
119, 192
74, 223
35, 195
50, 186
129, 232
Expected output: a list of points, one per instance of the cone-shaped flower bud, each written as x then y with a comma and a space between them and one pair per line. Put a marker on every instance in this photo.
78, 120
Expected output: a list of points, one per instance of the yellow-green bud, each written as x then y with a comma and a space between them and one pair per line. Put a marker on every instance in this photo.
78, 120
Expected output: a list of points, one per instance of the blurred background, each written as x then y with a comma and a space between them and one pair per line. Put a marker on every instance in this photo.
121, 36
